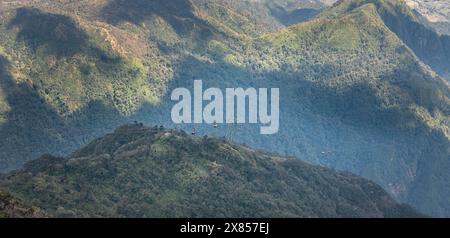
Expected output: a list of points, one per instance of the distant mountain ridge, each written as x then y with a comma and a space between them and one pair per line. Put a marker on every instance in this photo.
436, 12
144, 172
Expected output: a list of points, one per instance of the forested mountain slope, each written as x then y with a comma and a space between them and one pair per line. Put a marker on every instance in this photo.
431, 47
143, 172
10, 207
355, 94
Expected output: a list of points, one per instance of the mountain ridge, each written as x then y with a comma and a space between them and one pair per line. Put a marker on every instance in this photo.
151, 172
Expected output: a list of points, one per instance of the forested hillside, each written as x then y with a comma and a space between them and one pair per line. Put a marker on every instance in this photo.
430, 46
152, 172
11, 207
358, 86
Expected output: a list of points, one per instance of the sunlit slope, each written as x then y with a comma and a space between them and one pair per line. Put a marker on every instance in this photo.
411, 27
70, 68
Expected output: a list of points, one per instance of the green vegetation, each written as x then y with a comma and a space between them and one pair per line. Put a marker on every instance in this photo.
149, 172
70, 66
355, 93
431, 47
11, 207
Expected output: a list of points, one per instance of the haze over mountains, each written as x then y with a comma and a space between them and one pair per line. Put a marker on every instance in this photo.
361, 83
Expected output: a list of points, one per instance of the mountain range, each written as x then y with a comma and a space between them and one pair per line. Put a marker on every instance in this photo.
363, 83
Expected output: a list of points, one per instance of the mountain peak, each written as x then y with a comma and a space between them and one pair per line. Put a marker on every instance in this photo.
345, 6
